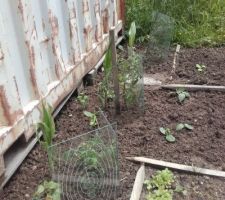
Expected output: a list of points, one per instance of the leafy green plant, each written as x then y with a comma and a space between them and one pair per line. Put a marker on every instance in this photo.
106, 92
168, 134
182, 94
200, 68
92, 117
202, 21
83, 100
48, 190
182, 126
160, 186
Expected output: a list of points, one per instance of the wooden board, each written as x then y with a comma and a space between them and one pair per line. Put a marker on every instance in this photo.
180, 167
194, 87
138, 184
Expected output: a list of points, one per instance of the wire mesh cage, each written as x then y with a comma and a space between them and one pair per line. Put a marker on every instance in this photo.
86, 166
131, 81
160, 36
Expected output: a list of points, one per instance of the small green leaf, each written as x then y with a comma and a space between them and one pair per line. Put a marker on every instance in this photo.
170, 138
162, 130
88, 114
189, 127
40, 190
181, 97
179, 127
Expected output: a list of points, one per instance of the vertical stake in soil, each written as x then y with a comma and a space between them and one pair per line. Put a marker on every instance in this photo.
175, 59
138, 184
115, 71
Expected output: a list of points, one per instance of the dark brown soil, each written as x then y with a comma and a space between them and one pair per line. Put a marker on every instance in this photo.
186, 71
139, 135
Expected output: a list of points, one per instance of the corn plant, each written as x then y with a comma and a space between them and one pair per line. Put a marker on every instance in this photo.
47, 127
48, 191
106, 92
83, 100
92, 117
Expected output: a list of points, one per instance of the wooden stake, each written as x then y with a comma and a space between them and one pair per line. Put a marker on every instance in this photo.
115, 70
180, 167
175, 58
138, 184
194, 87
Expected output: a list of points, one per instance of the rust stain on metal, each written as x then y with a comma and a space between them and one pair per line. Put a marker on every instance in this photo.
32, 68
43, 24
10, 117
105, 20
85, 6
54, 24
20, 7
17, 89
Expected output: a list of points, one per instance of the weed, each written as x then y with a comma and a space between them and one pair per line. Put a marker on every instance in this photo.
200, 68
48, 190
182, 94
168, 134
182, 126
83, 100
92, 117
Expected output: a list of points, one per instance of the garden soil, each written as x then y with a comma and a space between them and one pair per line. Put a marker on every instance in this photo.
138, 135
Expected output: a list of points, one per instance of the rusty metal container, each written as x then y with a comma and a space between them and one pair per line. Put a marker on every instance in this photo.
46, 48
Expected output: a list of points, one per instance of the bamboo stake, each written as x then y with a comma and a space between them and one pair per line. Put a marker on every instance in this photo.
194, 87
138, 184
176, 166
115, 71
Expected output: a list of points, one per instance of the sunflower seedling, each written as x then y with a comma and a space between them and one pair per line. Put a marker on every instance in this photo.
92, 117
200, 68
182, 94
83, 100
168, 134
182, 126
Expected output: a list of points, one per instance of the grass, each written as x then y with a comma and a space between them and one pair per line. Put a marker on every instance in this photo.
197, 22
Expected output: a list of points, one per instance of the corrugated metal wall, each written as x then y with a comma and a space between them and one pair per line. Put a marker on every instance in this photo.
46, 48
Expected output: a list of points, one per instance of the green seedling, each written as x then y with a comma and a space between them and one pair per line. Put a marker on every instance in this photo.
83, 100
48, 191
182, 94
47, 127
200, 68
159, 187
132, 34
92, 117
182, 126
168, 134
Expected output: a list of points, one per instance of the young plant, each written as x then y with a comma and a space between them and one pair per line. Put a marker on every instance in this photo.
92, 117
132, 34
83, 100
48, 191
200, 68
182, 94
160, 186
105, 87
168, 134
182, 126
47, 126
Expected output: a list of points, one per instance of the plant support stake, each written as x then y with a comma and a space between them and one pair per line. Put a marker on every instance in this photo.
115, 71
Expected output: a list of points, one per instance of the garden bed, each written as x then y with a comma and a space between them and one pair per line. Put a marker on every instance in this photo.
140, 136
186, 71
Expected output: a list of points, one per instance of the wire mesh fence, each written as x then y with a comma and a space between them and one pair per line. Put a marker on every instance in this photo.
86, 166
160, 36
